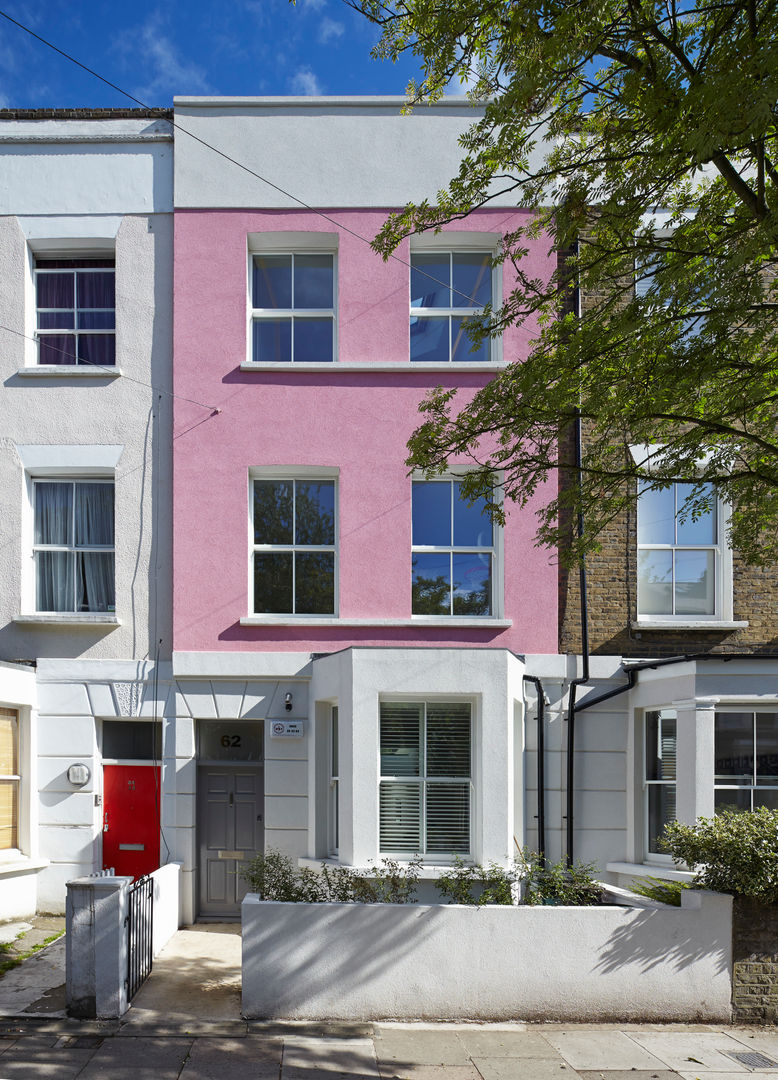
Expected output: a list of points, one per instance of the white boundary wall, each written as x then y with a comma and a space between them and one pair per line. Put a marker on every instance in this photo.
376, 961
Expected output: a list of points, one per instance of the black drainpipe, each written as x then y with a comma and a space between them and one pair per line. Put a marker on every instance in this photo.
584, 678
541, 764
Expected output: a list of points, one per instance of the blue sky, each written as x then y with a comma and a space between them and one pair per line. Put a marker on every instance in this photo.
154, 51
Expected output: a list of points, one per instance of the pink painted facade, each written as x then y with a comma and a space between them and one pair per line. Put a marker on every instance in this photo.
355, 421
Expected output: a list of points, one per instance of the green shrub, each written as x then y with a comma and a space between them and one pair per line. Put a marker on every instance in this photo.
468, 883
666, 892
735, 852
558, 884
274, 876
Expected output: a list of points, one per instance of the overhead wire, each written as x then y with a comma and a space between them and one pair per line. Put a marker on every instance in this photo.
240, 165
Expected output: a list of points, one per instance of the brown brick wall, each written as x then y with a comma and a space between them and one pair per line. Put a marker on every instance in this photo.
612, 602
754, 963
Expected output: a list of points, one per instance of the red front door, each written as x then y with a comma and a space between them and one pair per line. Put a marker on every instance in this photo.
131, 818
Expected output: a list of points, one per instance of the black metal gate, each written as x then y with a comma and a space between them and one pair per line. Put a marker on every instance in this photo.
140, 921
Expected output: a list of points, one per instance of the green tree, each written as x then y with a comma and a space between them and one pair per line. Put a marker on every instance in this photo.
595, 114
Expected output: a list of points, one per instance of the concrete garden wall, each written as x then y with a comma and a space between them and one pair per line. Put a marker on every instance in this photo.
374, 961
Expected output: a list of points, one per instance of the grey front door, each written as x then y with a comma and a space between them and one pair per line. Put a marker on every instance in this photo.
230, 830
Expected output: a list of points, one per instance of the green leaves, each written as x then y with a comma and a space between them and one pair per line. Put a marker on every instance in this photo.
643, 138
736, 852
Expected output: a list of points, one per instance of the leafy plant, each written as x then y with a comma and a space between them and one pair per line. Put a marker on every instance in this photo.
468, 883
558, 884
735, 852
666, 892
274, 876
592, 113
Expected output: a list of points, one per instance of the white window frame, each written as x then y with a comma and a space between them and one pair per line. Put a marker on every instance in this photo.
496, 551
15, 781
292, 244
655, 856
79, 265
333, 782
73, 548
434, 858
722, 576
753, 712
304, 475
453, 243
71, 463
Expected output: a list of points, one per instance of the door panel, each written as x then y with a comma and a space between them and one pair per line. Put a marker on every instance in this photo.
230, 825
131, 818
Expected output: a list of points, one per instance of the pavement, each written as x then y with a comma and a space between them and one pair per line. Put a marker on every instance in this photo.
185, 1024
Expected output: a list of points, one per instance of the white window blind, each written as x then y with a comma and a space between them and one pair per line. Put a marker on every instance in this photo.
425, 787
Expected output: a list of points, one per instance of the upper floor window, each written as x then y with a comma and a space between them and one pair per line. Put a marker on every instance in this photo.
679, 554
73, 545
447, 289
75, 311
453, 551
425, 788
294, 546
293, 308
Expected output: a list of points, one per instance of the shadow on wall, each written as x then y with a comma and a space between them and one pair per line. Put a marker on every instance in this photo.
635, 943
354, 955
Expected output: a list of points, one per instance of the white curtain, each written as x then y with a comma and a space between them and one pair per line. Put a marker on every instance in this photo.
76, 516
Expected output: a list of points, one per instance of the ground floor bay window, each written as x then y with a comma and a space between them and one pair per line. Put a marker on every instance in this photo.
746, 760
425, 790
742, 775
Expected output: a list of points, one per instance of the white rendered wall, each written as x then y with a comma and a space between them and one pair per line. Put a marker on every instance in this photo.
375, 155
358, 679
375, 961
131, 410
91, 167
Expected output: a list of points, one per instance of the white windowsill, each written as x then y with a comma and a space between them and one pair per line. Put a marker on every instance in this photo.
657, 870
70, 371
20, 864
406, 366
70, 619
690, 624
334, 621
427, 872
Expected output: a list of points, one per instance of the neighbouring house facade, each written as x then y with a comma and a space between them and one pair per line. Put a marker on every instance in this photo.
85, 627
232, 621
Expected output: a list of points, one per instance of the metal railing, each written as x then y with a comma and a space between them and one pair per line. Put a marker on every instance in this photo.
140, 923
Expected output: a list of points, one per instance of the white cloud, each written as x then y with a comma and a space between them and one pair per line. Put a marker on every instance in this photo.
329, 29
317, 5
159, 63
305, 82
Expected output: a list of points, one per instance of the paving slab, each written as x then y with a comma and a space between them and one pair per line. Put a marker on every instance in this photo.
143, 1052
397, 1071
632, 1074
251, 1058
44, 1063
493, 1043
703, 1052
419, 1046
10, 931
758, 1041
196, 977
37, 975
528, 1068
729, 1075
597, 1049
347, 1058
